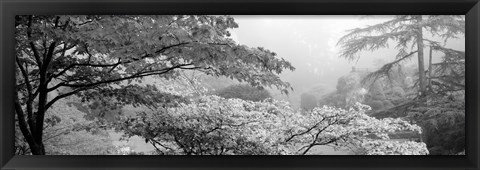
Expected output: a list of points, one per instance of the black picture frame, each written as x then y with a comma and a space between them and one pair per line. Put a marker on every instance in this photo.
10, 8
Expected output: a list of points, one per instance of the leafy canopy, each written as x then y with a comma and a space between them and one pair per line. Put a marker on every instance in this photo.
91, 51
60, 56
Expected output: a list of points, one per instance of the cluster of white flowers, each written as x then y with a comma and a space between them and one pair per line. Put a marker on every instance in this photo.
389, 147
272, 127
124, 150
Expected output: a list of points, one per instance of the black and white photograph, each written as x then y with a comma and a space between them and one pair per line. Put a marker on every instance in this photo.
239, 85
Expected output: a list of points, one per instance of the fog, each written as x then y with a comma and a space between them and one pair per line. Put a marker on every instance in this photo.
176, 85
309, 43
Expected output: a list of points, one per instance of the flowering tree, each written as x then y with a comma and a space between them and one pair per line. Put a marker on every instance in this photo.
213, 125
90, 55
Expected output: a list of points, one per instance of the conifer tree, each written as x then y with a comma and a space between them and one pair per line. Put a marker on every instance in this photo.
408, 32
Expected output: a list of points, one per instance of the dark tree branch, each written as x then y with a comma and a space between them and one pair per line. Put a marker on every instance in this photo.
62, 55
25, 76
71, 66
115, 65
305, 132
136, 75
316, 137
23, 125
43, 93
83, 64
32, 45
323, 143
49, 55
65, 48
31, 96
57, 18
51, 102
385, 69
83, 87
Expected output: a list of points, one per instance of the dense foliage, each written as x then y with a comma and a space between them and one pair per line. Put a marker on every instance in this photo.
213, 125
91, 55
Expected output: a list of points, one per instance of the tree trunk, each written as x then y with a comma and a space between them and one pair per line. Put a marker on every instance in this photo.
35, 147
430, 69
421, 66
40, 115
39, 149
34, 134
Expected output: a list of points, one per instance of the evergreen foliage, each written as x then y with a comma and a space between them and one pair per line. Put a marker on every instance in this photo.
443, 120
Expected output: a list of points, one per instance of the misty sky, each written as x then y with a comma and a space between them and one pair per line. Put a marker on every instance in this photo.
309, 43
